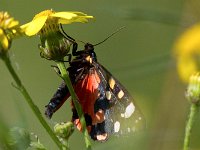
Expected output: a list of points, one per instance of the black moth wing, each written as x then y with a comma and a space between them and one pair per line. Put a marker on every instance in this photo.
62, 93
123, 115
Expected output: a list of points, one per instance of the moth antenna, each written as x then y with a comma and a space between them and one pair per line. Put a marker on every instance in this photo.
69, 37
110, 36
65, 34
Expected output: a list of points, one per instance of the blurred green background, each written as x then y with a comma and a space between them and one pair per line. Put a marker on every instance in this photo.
140, 56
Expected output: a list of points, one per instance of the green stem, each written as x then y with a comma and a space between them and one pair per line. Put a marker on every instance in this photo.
193, 111
67, 80
30, 102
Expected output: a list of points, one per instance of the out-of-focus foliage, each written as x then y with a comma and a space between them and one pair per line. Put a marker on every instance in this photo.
14, 138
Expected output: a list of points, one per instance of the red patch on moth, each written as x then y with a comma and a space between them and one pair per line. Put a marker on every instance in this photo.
79, 127
99, 116
87, 92
78, 124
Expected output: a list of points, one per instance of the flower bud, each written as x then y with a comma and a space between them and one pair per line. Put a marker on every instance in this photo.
54, 46
193, 90
64, 130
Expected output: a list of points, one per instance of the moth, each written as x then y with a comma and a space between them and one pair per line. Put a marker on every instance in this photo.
108, 107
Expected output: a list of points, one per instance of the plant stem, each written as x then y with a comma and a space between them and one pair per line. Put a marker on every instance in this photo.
29, 100
67, 80
193, 111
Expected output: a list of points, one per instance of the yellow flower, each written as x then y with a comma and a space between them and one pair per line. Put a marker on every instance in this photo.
187, 52
54, 45
49, 20
7, 22
9, 29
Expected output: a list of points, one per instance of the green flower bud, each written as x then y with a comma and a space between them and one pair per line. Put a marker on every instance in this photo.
64, 130
193, 90
54, 46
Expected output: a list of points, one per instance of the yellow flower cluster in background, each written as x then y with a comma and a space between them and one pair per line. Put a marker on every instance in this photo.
9, 28
50, 19
7, 22
187, 52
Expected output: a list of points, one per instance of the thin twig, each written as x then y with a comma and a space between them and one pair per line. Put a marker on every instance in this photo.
188, 129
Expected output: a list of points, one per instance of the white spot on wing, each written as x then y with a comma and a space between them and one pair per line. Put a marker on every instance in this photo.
129, 110
108, 95
111, 83
102, 137
116, 126
120, 94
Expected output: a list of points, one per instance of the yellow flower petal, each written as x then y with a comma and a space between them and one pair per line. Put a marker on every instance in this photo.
10, 23
35, 25
189, 41
44, 13
186, 65
64, 15
24, 26
51, 20
78, 13
70, 17
3, 40
64, 21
